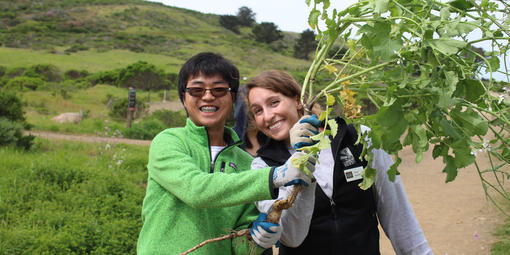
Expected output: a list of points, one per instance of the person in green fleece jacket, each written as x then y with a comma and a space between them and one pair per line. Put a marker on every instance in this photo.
200, 185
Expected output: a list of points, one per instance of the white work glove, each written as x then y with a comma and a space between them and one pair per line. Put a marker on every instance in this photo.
288, 174
264, 233
302, 130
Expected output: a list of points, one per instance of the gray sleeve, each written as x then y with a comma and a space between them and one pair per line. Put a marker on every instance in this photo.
295, 221
395, 212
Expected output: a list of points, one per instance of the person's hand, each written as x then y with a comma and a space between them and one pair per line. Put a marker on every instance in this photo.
301, 132
288, 174
264, 233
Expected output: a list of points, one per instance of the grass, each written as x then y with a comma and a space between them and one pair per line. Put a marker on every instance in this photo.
502, 246
91, 60
71, 198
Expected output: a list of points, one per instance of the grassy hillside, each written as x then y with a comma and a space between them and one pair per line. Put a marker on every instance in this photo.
98, 35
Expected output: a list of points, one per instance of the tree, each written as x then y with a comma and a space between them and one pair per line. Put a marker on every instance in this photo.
230, 22
266, 32
142, 75
305, 44
245, 16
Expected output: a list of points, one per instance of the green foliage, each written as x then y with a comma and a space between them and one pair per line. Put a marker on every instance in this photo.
170, 118
12, 122
417, 65
245, 16
12, 107
502, 246
120, 108
266, 32
145, 129
142, 75
89, 203
305, 45
46, 72
230, 22
74, 74
22, 83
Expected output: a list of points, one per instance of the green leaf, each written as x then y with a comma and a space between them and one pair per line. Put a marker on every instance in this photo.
368, 178
333, 127
439, 150
313, 18
446, 46
392, 172
386, 47
494, 62
380, 6
300, 163
471, 123
450, 169
331, 100
471, 90
461, 4
463, 153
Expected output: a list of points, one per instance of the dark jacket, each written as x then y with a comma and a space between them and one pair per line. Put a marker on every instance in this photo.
347, 223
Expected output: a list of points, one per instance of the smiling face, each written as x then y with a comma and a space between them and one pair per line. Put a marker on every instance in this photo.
274, 112
208, 110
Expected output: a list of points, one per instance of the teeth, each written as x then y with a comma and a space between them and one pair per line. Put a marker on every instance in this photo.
208, 109
275, 125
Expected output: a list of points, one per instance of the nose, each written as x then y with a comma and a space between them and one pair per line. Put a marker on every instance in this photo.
268, 115
208, 95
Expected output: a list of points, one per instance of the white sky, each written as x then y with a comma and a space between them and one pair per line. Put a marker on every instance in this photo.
288, 15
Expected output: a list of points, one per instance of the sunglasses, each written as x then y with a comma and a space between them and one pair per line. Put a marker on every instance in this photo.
200, 92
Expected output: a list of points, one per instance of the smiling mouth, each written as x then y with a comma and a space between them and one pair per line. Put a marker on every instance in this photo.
208, 109
275, 125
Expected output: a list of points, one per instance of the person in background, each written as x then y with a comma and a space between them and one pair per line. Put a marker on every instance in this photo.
244, 126
199, 185
344, 218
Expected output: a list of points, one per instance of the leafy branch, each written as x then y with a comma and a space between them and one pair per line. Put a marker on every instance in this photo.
420, 64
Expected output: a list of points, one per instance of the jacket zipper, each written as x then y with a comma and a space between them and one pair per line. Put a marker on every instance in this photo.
211, 170
333, 212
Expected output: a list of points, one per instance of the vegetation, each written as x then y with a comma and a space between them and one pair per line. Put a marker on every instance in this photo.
267, 32
305, 45
89, 203
12, 121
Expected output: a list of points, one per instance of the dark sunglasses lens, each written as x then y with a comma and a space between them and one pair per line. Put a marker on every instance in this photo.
219, 92
196, 92
200, 92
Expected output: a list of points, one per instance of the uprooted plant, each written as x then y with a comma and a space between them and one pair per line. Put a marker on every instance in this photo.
428, 67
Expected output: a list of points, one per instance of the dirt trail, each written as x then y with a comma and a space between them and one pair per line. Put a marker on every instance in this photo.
455, 217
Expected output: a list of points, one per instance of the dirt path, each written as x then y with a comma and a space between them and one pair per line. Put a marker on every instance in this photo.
455, 217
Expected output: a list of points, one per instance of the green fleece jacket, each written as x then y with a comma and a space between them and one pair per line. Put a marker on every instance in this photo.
189, 199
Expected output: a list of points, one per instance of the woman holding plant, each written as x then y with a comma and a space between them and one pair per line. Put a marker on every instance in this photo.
344, 218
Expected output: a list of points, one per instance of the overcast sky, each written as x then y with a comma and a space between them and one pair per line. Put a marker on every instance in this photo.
288, 15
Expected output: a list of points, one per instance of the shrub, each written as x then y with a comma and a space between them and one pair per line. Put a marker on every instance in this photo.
266, 32
120, 107
106, 77
145, 129
23, 83
11, 133
170, 118
12, 107
46, 72
75, 74
230, 22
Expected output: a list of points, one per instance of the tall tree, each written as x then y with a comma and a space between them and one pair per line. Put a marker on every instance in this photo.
305, 44
266, 32
245, 16
230, 22
142, 75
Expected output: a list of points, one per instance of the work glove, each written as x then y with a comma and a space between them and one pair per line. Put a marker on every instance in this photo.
301, 132
288, 174
264, 233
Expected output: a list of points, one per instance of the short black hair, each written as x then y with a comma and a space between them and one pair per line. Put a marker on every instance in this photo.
208, 64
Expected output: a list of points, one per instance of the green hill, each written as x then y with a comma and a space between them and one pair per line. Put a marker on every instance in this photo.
104, 34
